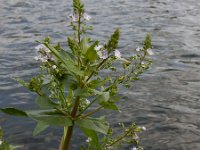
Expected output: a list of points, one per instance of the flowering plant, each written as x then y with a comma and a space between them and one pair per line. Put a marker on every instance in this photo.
72, 86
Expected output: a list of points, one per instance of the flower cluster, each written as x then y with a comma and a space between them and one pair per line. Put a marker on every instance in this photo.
75, 17
103, 53
149, 50
43, 54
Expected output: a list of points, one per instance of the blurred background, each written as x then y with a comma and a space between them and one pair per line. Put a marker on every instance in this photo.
167, 98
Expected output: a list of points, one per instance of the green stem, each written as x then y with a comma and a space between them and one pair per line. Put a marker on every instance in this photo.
91, 113
67, 137
120, 138
100, 64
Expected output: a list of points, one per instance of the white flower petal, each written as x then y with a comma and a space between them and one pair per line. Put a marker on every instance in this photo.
86, 17
36, 58
143, 128
42, 47
74, 17
44, 59
54, 66
138, 49
88, 139
97, 48
149, 51
117, 54
103, 54
87, 101
134, 148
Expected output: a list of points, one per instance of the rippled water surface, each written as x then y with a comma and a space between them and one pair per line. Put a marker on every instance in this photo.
167, 98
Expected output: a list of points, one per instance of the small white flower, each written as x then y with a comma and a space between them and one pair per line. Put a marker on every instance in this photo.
89, 139
54, 66
142, 63
86, 17
117, 54
134, 148
143, 128
39, 47
36, 58
1, 142
44, 59
103, 54
74, 17
97, 48
42, 47
87, 101
138, 49
149, 51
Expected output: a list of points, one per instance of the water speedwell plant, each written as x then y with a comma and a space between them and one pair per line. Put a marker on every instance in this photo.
72, 86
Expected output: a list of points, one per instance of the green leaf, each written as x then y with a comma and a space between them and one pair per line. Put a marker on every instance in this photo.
147, 42
98, 82
22, 82
73, 46
91, 53
95, 124
109, 105
78, 5
84, 44
39, 128
105, 96
68, 63
113, 42
44, 102
13, 111
93, 135
82, 92
69, 81
50, 117
104, 100
6, 146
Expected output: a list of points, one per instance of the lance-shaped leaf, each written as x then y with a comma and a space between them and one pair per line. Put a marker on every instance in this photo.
50, 117
68, 63
147, 42
91, 53
104, 100
41, 126
109, 105
113, 42
95, 124
44, 102
14, 111
98, 82
84, 44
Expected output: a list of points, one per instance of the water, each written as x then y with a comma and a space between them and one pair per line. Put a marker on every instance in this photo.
166, 99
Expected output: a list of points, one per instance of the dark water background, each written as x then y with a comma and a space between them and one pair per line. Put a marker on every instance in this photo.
167, 98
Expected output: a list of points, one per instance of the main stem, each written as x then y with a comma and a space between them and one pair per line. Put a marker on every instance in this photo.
67, 137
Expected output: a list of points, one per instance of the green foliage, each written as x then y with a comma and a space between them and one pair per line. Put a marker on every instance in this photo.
113, 42
41, 126
50, 117
14, 111
78, 6
94, 124
71, 87
147, 42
